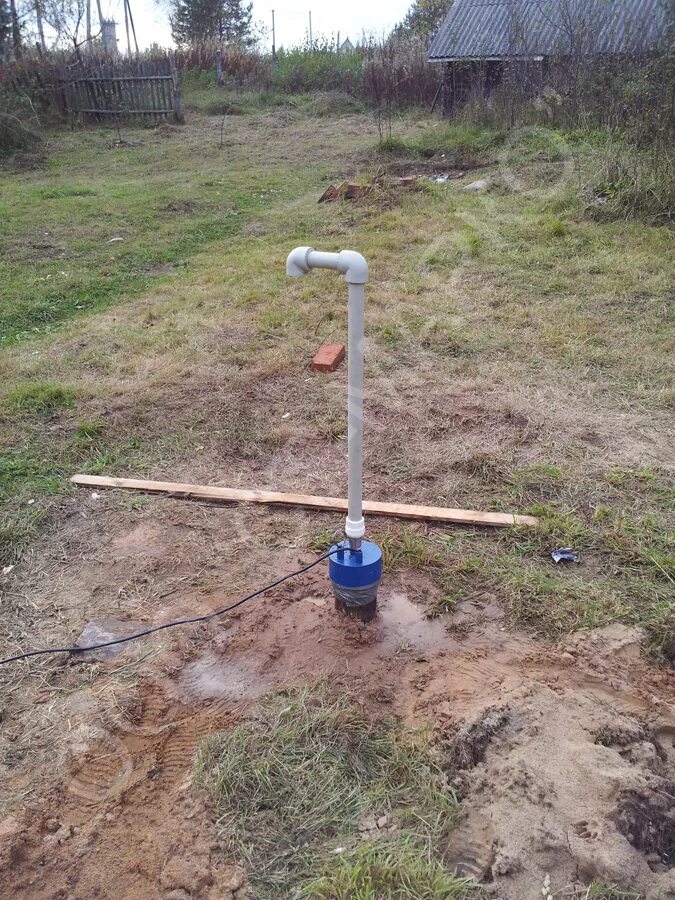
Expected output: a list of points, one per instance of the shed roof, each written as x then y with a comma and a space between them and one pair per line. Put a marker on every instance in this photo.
488, 29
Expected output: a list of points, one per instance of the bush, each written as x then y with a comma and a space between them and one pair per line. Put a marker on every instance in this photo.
18, 124
395, 147
301, 70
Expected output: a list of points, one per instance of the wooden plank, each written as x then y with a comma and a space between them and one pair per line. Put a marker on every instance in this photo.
238, 495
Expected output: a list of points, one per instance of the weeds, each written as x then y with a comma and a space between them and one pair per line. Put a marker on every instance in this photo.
457, 144
88, 431
631, 182
291, 786
19, 126
17, 531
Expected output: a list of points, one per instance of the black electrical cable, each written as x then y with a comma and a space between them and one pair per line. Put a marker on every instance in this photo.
192, 621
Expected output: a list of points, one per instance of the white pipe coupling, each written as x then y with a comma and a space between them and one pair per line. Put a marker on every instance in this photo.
355, 529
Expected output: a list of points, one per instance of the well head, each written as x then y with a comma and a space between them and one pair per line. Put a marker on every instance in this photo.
355, 577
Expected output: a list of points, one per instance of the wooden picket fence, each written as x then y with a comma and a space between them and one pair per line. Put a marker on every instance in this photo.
147, 88
106, 90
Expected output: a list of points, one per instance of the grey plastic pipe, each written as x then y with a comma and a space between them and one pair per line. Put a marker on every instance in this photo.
355, 270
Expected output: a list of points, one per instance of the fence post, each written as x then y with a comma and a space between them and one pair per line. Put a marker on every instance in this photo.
177, 96
219, 66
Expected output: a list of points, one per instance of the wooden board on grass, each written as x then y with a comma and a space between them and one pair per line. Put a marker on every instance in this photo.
370, 507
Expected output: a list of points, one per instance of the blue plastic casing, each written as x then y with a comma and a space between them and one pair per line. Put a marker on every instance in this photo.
354, 569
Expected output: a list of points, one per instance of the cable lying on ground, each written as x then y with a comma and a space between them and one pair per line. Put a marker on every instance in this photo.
173, 624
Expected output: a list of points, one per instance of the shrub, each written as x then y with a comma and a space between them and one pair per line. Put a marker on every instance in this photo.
301, 70
18, 124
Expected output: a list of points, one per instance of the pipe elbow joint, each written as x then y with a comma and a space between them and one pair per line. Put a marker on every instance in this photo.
297, 262
353, 266
348, 263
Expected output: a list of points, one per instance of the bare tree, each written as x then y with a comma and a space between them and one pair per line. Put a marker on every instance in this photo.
16, 29
40, 24
67, 18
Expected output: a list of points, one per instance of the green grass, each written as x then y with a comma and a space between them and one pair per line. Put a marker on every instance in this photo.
207, 98
388, 870
458, 144
98, 246
603, 890
89, 431
519, 352
41, 397
31, 303
292, 785
630, 580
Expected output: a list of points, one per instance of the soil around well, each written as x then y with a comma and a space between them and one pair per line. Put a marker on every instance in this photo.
562, 755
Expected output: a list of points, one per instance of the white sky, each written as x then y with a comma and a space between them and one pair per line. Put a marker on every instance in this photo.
349, 17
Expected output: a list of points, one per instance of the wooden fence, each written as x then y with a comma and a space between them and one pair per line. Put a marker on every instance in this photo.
106, 90
119, 89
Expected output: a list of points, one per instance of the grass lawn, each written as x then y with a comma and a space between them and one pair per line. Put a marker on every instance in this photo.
519, 350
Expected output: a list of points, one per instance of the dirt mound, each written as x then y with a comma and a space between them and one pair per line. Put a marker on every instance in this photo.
548, 799
568, 786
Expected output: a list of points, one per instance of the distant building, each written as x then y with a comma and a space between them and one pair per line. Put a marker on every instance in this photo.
479, 38
346, 46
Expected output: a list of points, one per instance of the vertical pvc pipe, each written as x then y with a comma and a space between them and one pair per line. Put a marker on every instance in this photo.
355, 270
355, 571
355, 525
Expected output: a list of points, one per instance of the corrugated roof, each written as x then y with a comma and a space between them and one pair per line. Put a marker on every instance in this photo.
480, 29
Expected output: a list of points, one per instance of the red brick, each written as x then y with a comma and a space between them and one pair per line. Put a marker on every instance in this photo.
328, 357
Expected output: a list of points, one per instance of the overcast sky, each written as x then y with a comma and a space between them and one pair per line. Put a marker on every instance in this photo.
349, 17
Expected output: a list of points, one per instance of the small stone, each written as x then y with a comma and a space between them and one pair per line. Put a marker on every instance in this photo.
63, 833
382, 821
477, 186
98, 631
52, 825
367, 824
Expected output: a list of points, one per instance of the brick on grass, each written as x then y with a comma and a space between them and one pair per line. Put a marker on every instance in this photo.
328, 357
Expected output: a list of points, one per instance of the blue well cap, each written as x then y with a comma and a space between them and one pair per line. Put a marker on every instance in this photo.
354, 569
